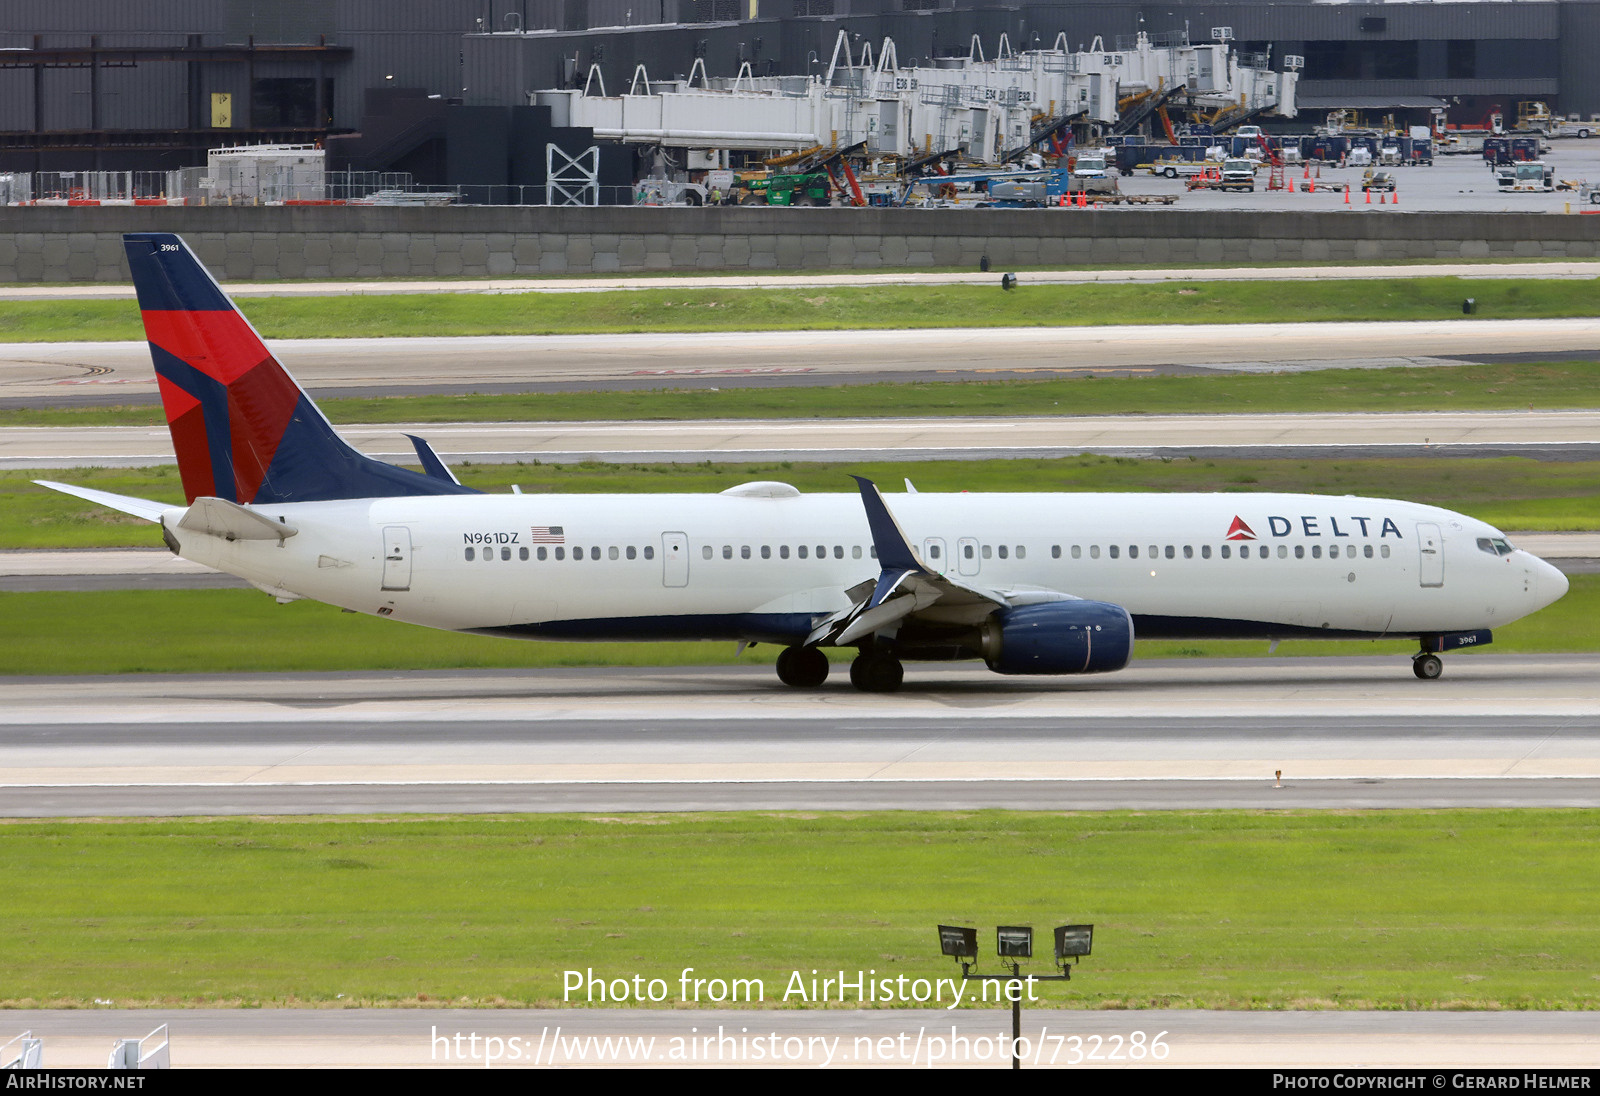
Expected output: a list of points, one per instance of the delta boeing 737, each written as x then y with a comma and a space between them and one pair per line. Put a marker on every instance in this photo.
1029, 583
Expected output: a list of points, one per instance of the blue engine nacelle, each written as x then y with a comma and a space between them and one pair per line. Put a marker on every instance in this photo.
1058, 637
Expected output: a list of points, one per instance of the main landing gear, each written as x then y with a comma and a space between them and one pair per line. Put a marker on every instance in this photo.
876, 672
871, 672
802, 667
1427, 666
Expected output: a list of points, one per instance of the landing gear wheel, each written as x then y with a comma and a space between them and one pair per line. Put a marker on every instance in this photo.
1427, 667
875, 673
802, 667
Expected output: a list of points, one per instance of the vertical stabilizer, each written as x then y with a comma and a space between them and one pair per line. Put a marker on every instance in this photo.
243, 430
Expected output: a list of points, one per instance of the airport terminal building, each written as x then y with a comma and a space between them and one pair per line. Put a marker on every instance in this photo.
116, 86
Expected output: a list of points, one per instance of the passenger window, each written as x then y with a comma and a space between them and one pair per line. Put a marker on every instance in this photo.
1205, 551
561, 553
1133, 551
987, 551
705, 552
783, 551
544, 553
1316, 551
766, 551
838, 551
632, 552
822, 551
1349, 551
505, 555
611, 553
873, 551
649, 551
801, 551
727, 551
1155, 551
933, 551
1171, 552
1299, 551
1366, 550
488, 555
1188, 551
966, 550
1022, 551
1383, 550
744, 551
1227, 552
1262, 551
1094, 551
1283, 551
1003, 551
855, 551
522, 554
1077, 551
1113, 550
1055, 551
471, 554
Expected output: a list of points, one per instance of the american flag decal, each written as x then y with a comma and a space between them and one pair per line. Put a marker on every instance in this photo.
547, 534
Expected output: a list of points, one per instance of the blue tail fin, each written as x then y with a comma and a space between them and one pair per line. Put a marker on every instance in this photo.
242, 428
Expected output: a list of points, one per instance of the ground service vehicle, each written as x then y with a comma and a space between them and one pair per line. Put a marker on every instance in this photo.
812, 188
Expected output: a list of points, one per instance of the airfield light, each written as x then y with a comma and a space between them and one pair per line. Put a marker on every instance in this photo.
958, 942
1073, 942
1014, 941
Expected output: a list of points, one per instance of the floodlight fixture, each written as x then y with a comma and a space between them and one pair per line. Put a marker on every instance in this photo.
958, 942
1013, 941
1073, 942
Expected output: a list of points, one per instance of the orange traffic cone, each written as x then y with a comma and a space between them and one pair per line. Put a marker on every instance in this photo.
1381, 197
1368, 193
1347, 194
1394, 199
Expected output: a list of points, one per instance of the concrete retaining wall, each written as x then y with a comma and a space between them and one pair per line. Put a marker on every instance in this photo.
83, 244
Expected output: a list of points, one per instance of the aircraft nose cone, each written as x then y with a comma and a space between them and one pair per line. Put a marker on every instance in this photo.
1549, 584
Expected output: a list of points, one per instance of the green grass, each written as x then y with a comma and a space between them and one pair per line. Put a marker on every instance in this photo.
1540, 385
1462, 909
735, 309
239, 631
1509, 492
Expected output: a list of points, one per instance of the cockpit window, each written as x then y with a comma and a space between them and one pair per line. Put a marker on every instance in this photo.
1495, 546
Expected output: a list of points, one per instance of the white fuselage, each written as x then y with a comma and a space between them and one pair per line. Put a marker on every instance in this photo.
735, 566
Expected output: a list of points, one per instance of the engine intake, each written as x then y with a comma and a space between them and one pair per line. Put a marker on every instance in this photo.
1058, 637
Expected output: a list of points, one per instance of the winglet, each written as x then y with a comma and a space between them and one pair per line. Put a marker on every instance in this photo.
894, 550
431, 464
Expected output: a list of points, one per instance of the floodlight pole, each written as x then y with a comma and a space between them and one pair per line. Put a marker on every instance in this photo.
1015, 980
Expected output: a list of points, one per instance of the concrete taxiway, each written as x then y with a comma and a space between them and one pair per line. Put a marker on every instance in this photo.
43, 374
1555, 435
377, 287
841, 1038
1354, 731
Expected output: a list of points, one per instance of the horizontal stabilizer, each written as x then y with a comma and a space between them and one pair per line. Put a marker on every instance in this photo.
230, 521
139, 508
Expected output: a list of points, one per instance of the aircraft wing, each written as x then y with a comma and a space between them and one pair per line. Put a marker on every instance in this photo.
907, 589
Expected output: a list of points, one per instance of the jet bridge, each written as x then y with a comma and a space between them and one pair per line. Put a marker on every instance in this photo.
982, 106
